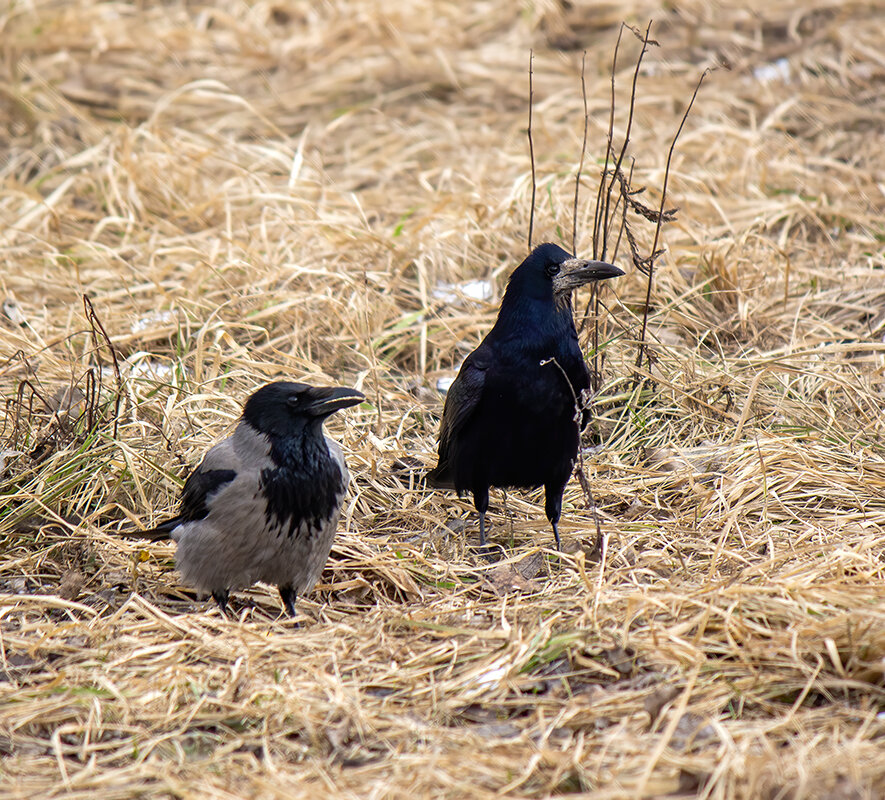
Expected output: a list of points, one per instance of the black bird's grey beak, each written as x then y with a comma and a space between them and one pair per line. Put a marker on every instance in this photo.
576, 272
327, 400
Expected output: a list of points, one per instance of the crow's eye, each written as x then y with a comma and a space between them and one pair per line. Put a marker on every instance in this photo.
292, 400
552, 269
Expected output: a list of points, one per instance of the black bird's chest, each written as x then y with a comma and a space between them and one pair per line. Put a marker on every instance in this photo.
526, 432
304, 485
534, 392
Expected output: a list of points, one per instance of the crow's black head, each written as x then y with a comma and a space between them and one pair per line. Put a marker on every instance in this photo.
549, 271
283, 408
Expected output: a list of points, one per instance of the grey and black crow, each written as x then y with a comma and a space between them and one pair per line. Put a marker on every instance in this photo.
511, 417
264, 504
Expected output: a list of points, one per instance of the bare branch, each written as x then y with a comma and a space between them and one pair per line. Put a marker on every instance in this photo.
608, 151
99, 333
661, 214
531, 151
583, 153
646, 41
580, 406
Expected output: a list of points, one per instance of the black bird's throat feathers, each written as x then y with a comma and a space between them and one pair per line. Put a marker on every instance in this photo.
305, 483
528, 307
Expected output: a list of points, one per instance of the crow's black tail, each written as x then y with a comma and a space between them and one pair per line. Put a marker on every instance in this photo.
162, 532
439, 478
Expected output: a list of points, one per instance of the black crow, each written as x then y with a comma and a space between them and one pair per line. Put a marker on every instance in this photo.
263, 504
511, 416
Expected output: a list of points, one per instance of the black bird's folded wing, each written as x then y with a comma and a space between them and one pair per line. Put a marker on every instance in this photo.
461, 402
201, 484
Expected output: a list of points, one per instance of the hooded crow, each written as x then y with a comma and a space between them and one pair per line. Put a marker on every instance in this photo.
511, 417
263, 505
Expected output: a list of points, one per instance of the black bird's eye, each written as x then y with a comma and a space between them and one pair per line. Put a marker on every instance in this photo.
552, 269
292, 400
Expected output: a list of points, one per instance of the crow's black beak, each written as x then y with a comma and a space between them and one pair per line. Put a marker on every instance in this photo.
576, 272
328, 399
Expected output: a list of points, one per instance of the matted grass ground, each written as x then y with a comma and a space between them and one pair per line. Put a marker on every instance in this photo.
248, 191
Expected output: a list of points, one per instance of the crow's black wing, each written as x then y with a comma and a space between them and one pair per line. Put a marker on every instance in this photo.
461, 401
197, 489
199, 486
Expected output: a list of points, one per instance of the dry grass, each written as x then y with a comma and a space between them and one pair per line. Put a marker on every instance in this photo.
248, 191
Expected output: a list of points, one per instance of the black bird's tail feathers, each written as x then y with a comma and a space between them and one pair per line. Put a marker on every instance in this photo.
440, 477
158, 534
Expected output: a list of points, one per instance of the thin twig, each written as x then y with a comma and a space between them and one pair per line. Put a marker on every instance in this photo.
596, 551
97, 327
531, 151
608, 150
607, 210
579, 461
660, 220
583, 153
623, 226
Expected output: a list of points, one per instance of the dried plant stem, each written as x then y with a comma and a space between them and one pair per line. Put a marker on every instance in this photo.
583, 154
661, 216
531, 152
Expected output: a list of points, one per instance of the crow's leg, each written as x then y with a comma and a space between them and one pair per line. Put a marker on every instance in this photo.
555, 526
553, 507
481, 502
220, 596
287, 595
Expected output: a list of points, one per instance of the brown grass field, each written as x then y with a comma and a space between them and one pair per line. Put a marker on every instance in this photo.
253, 190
